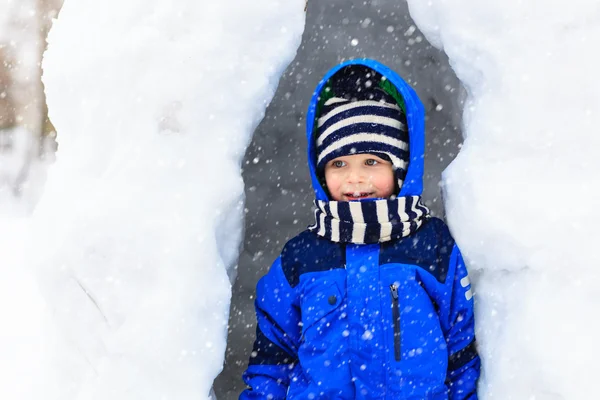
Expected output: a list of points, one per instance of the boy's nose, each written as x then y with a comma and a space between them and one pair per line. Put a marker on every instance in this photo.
355, 175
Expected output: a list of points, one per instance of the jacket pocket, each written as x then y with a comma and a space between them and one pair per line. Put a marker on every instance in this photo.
318, 304
324, 341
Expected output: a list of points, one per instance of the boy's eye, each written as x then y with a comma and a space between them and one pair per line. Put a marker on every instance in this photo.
370, 161
338, 164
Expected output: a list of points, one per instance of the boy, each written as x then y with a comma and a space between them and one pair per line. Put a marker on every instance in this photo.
373, 301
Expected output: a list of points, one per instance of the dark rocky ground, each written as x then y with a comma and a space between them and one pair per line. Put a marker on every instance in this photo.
278, 192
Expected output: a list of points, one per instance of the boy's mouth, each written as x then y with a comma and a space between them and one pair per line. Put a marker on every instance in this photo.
358, 195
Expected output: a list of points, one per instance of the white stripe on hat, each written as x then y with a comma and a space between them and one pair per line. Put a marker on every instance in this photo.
363, 137
360, 119
335, 100
397, 162
355, 104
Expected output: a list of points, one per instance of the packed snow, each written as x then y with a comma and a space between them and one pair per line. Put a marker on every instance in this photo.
118, 286
522, 194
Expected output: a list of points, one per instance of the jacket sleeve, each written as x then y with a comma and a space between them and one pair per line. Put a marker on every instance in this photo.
459, 329
277, 335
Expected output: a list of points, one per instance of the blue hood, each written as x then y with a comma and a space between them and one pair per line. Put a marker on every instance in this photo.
415, 115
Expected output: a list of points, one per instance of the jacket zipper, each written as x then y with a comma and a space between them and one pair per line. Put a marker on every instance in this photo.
396, 316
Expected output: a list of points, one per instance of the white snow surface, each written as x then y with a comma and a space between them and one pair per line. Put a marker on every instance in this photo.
118, 286
523, 194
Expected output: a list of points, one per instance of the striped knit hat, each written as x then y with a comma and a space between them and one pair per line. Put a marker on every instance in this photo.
365, 120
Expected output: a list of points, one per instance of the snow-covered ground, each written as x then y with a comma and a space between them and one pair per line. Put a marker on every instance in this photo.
523, 194
120, 281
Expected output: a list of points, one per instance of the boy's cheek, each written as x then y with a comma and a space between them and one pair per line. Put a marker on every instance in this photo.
333, 190
334, 193
330, 181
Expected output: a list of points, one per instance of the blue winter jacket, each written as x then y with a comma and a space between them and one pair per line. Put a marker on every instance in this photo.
381, 321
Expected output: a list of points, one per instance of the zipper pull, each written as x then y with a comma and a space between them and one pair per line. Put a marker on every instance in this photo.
394, 291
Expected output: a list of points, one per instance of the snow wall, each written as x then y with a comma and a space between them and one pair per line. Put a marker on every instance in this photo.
522, 194
122, 291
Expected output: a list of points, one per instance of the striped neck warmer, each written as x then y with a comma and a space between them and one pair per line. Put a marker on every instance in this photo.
370, 221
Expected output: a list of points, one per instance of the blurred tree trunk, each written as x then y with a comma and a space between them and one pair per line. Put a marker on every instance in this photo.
48, 11
7, 109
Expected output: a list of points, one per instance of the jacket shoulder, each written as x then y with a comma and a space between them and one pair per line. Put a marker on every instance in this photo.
308, 252
429, 248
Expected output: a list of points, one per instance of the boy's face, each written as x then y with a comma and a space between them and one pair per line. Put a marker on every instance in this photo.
359, 176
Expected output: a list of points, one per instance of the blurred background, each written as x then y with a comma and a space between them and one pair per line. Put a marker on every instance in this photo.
278, 192
27, 137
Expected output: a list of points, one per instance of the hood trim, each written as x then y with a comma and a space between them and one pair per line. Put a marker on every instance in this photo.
415, 118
